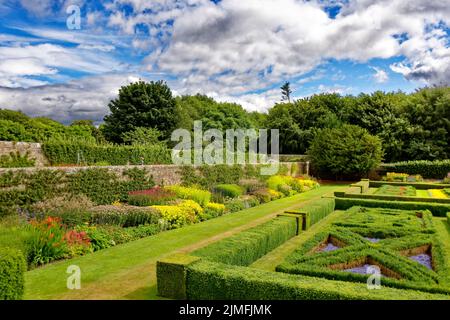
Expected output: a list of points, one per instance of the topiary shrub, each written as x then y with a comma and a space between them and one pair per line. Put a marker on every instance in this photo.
345, 152
12, 269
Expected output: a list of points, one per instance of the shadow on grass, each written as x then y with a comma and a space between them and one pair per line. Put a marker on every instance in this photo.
145, 293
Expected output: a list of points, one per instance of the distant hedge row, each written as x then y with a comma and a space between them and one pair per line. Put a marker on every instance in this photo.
62, 152
437, 209
428, 169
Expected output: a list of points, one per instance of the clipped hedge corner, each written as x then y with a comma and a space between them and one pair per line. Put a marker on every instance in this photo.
12, 269
171, 275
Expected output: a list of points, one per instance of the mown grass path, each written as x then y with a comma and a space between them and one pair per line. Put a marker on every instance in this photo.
128, 271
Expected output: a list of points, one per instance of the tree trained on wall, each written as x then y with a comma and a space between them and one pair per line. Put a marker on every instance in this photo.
141, 105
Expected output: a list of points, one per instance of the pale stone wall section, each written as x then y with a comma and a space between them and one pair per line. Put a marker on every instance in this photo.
6, 147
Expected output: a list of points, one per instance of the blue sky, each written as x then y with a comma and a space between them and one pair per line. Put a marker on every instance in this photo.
232, 50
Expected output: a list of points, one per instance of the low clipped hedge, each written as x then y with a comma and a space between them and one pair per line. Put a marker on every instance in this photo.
315, 211
68, 152
250, 245
428, 169
437, 209
363, 185
417, 185
12, 269
208, 280
200, 196
395, 198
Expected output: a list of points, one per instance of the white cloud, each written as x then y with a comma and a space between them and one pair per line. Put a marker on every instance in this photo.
228, 50
46, 59
380, 75
240, 40
86, 98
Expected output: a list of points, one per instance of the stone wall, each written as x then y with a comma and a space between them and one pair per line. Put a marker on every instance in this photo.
162, 174
34, 149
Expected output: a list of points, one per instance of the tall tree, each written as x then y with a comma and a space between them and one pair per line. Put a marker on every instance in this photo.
141, 104
286, 92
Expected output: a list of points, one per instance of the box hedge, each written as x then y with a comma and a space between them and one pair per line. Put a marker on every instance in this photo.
12, 269
250, 245
75, 152
417, 185
428, 169
208, 280
437, 209
388, 197
315, 211
171, 275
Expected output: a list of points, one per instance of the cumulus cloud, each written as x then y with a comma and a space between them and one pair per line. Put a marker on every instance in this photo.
380, 75
263, 42
86, 98
232, 50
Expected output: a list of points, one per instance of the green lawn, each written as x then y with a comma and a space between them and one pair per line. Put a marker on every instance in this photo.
128, 271
273, 258
422, 194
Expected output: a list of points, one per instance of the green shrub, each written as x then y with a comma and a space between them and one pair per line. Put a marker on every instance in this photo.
234, 205
448, 218
247, 246
176, 216
140, 200
427, 169
12, 270
213, 210
229, 190
123, 216
153, 196
202, 197
345, 152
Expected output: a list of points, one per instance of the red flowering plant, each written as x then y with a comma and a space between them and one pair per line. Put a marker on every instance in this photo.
50, 240
153, 196
46, 241
78, 243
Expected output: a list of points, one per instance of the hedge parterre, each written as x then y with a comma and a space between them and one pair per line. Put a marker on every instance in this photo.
386, 238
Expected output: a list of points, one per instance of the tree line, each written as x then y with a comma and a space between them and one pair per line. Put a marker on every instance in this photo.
413, 126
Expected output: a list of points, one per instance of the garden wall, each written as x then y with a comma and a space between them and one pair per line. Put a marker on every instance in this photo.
166, 174
34, 149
